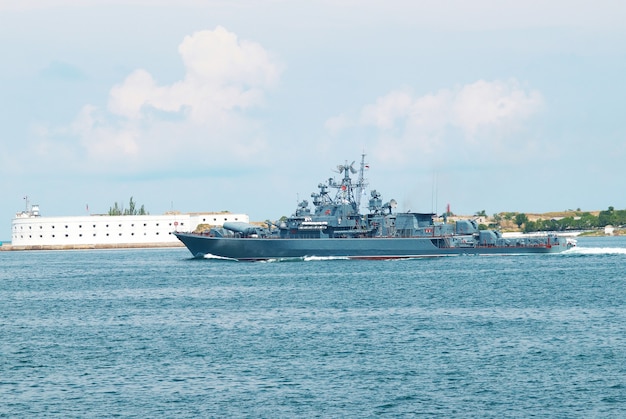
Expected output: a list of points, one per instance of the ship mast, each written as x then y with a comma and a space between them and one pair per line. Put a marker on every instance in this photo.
361, 184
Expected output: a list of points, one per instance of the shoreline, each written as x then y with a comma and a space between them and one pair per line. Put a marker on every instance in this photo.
6, 247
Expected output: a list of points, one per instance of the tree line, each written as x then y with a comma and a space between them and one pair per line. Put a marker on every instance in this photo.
578, 221
131, 210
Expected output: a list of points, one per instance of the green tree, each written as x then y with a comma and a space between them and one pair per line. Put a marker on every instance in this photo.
520, 219
607, 217
530, 226
131, 210
587, 220
131, 207
551, 225
115, 210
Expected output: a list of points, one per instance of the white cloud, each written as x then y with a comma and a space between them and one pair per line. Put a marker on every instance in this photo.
223, 78
387, 109
483, 113
495, 104
101, 140
240, 62
137, 90
222, 74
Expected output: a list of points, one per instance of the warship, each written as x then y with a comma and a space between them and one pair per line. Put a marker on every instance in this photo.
336, 228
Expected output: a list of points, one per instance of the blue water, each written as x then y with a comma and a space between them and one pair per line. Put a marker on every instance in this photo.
153, 333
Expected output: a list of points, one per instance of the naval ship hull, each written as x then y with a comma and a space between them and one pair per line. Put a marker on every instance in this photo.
336, 228
259, 249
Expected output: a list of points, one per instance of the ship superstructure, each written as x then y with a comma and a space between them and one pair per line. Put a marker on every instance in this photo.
335, 227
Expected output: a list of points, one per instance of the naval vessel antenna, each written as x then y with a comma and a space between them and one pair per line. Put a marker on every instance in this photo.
361, 184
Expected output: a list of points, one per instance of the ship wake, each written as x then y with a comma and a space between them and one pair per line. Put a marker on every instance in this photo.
304, 259
595, 251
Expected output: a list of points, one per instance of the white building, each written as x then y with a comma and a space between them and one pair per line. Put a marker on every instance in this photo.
32, 231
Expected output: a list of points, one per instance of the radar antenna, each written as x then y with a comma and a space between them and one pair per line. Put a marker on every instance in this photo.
361, 183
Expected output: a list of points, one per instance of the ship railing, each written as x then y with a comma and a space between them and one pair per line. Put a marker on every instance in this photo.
313, 225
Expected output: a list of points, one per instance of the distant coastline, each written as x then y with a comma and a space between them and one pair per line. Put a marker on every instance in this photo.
609, 222
9, 247
504, 221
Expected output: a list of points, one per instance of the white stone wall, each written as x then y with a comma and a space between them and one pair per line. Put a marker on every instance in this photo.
110, 230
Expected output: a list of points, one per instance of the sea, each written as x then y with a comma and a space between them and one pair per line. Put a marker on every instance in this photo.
143, 333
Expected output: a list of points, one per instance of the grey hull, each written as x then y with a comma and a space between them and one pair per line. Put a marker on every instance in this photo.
353, 248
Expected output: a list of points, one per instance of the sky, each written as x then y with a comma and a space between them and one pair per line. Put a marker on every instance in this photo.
246, 106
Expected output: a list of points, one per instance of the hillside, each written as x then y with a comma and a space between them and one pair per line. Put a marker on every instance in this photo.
506, 221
